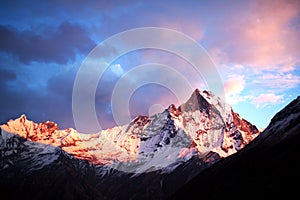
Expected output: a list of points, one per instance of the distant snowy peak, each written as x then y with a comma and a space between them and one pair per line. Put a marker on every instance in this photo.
45, 132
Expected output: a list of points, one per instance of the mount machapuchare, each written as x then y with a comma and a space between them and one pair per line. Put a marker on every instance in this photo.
150, 158
267, 168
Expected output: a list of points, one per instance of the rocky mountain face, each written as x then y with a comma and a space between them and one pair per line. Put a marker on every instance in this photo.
266, 168
150, 158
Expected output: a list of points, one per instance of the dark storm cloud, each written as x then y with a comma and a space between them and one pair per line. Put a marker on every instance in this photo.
59, 99
6, 75
58, 104
54, 104
59, 46
14, 103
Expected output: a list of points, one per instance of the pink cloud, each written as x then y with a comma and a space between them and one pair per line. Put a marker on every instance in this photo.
278, 81
264, 36
238, 66
267, 99
233, 86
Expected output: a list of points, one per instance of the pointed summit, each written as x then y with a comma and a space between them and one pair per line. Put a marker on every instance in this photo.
196, 91
196, 102
23, 116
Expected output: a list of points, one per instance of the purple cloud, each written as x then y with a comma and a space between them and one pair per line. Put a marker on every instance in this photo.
59, 46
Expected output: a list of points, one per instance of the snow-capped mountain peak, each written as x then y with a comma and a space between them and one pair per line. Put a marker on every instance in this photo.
201, 125
150, 158
180, 141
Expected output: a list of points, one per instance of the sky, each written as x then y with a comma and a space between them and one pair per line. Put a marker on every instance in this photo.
254, 45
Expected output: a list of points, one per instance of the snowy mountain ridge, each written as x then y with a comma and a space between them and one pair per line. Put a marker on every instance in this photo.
201, 125
153, 156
